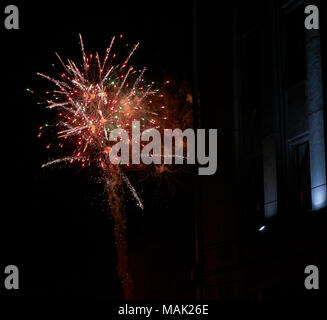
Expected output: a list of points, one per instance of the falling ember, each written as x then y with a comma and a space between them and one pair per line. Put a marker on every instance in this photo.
92, 100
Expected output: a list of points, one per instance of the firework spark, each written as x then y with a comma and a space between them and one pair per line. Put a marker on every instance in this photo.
91, 101
96, 99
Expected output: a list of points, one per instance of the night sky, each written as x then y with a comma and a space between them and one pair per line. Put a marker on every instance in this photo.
55, 224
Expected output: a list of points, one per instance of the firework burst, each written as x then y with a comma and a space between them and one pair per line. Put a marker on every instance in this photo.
97, 98
92, 100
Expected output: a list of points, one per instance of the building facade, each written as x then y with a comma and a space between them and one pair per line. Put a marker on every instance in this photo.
278, 198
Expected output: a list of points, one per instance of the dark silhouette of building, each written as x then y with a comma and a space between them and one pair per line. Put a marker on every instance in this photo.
264, 216
258, 76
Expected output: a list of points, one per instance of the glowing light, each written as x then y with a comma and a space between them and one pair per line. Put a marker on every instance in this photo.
318, 196
92, 100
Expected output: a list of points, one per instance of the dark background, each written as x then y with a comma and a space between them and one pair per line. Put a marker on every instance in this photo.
55, 223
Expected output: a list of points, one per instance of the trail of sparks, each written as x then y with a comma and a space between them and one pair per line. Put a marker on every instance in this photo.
57, 161
91, 101
126, 180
